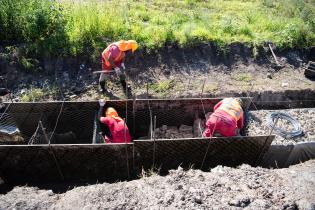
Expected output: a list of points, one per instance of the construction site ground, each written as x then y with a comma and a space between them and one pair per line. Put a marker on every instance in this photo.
178, 74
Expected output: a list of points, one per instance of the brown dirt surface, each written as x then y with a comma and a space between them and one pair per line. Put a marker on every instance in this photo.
222, 188
169, 73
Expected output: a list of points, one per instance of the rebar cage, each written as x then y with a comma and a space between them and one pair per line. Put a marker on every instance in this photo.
78, 159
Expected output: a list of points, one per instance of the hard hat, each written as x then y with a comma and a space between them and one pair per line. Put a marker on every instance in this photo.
134, 45
111, 112
127, 45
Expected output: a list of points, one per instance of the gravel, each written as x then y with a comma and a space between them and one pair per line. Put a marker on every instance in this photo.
222, 188
257, 125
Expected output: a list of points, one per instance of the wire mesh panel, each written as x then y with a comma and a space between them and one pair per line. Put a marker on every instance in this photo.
42, 163
78, 117
230, 151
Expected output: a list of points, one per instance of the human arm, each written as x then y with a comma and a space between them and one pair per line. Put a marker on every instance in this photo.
240, 122
217, 105
99, 114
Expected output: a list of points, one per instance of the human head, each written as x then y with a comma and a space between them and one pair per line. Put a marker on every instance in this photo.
111, 112
128, 45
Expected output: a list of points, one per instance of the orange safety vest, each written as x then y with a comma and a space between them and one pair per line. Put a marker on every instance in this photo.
232, 107
119, 58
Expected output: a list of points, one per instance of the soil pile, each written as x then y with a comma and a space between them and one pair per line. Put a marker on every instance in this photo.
223, 187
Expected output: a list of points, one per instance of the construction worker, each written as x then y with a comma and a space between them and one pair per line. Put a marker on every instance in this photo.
227, 117
118, 130
113, 58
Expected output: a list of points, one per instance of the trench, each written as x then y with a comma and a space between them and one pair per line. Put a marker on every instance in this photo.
79, 117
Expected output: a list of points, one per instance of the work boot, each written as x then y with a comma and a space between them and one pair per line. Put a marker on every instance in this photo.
124, 85
102, 88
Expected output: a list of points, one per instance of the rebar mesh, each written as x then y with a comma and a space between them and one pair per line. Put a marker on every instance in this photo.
77, 128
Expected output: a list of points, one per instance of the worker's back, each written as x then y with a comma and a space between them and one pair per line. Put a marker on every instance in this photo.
231, 106
118, 130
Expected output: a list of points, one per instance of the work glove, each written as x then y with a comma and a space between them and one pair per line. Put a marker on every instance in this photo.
101, 102
123, 66
117, 70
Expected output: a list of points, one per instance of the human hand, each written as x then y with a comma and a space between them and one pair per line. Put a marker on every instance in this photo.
101, 102
117, 70
123, 66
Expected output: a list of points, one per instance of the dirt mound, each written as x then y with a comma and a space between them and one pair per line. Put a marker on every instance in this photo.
223, 187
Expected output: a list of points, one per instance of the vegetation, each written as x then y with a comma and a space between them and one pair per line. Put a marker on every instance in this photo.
72, 27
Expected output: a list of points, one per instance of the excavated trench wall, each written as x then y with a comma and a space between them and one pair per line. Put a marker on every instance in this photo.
81, 160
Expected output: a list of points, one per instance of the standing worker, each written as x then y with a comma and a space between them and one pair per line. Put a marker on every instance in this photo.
119, 132
113, 58
227, 117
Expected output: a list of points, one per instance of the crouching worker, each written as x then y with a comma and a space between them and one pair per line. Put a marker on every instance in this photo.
226, 119
113, 58
118, 130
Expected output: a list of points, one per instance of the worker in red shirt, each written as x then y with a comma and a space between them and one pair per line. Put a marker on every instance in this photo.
113, 58
119, 132
227, 117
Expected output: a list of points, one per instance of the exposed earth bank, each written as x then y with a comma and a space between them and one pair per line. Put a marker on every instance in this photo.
171, 72
222, 188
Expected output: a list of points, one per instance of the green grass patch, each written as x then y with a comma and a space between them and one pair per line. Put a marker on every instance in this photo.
33, 95
164, 87
244, 77
69, 27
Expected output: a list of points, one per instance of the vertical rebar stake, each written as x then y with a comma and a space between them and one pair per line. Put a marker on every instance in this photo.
201, 99
204, 158
154, 141
126, 149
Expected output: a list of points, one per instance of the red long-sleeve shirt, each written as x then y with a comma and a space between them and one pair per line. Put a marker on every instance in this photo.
117, 128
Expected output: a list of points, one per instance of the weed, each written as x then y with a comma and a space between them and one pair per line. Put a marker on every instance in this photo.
163, 87
33, 95
69, 27
244, 77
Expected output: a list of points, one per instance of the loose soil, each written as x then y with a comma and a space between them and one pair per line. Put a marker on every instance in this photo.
222, 188
257, 125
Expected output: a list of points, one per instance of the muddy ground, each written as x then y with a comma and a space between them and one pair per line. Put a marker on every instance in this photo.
222, 188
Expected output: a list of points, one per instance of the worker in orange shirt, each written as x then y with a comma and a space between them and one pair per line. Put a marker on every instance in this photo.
227, 117
113, 58
118, 130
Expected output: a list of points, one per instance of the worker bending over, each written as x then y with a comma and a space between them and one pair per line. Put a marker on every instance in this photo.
119, 132
227, 117
113, 58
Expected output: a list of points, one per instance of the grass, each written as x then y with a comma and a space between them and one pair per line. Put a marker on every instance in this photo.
243, 77
33, 95
164, 87
72, 27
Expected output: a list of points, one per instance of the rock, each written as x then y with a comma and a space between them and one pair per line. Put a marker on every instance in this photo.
185, 128
73, 96
290, 206
23, 91
198, 200
284, 84
269, 75
240, 202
